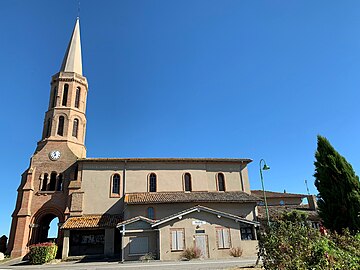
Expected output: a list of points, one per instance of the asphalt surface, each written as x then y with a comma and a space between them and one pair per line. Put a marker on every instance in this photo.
158, 265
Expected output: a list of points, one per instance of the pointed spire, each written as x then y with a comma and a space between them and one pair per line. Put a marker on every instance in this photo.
72, 61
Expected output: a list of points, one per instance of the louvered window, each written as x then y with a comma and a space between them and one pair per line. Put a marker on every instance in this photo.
75, 128
223, 237
77, 98
177, 239
61, 126
65, 94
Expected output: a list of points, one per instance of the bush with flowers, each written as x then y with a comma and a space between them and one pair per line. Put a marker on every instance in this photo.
42, 253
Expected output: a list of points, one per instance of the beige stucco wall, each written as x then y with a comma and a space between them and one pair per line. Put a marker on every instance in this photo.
96, 180
96, 184
246, 210
212, 222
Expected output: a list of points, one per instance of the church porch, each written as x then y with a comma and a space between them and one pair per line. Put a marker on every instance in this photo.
93, 235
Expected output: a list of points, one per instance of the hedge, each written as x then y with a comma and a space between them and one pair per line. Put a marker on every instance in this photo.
42, 253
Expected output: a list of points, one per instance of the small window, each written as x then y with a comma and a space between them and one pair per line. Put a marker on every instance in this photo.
75, 128
151, 213
187, 182
152, 182
77, 98
53, 103
223, 238
221, 182
60, 183
65, 94
48, 128
282, 202
61, 126
246, 233
116, 184
177, 239
45, 182
52, 184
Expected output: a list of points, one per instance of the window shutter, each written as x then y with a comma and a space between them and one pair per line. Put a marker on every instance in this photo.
180, 240
226, 238
220, 238
173, 240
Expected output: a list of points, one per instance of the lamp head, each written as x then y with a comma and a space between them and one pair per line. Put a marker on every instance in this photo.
266, 167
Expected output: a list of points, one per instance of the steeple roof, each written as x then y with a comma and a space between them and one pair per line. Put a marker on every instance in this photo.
72, 60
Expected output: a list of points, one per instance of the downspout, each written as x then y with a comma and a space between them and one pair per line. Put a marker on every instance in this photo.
124, 177
122, 244
123, 214
241, 178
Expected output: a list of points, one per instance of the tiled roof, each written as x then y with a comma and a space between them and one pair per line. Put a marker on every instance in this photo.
226, 160
179, 197
276, 212
205, 209
272, 194
92, 221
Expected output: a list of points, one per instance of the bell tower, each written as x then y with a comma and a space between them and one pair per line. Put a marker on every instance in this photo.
49, 188
65, 120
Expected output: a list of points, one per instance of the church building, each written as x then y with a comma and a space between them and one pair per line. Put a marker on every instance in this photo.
125, 207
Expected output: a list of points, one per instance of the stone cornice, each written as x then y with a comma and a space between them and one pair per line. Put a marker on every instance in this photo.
70, 80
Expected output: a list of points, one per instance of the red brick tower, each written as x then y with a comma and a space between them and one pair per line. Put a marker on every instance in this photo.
49, 187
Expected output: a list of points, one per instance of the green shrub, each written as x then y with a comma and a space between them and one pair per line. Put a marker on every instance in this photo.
292, 244
42, 253
191, 253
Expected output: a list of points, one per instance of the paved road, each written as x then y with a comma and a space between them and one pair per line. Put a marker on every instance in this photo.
155, 265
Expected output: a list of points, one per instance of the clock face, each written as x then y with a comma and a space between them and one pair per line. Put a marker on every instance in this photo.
54, 155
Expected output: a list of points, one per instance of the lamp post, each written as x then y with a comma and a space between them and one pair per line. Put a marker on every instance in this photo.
264, 168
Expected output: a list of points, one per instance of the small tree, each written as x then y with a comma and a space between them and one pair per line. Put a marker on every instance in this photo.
339, 189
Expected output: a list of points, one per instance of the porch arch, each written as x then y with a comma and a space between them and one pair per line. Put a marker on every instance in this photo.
40, 225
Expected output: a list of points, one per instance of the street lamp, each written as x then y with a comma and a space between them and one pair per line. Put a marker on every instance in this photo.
264, 168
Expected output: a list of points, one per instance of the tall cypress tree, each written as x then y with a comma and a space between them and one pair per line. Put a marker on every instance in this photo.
339, 188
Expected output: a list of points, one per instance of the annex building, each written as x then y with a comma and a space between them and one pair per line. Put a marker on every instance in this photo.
125, 207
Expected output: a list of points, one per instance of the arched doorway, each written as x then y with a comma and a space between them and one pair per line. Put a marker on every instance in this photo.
46, 227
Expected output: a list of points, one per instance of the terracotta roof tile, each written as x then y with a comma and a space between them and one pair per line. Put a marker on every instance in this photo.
272, 194
180, 197
92, 221
216, 160
276, 212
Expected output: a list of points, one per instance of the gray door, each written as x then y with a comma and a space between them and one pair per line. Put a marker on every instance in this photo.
201, 243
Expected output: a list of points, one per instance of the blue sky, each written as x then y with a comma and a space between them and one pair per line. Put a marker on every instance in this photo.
238, 79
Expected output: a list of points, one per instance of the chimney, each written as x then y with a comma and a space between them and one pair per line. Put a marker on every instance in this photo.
312, 202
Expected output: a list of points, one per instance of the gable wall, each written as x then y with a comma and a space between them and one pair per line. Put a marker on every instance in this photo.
246, 210
212, 222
